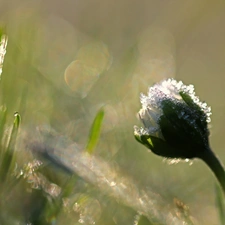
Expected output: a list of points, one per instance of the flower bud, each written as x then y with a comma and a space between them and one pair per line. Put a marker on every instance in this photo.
175, 121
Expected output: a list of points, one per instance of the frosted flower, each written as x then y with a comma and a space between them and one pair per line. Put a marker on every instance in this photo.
175, 120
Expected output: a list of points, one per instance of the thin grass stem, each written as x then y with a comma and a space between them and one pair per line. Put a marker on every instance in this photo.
215, 165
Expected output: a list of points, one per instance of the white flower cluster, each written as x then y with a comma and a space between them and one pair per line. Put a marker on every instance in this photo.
151, 111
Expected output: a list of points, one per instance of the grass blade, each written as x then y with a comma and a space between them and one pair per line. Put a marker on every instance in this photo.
7, 157
143, 220
3, 113
220, 204
95, 131
14, 132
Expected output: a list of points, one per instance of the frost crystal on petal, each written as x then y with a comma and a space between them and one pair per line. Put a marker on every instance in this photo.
174, 121
171, 90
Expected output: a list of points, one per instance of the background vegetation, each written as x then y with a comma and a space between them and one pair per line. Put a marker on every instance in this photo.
67, 60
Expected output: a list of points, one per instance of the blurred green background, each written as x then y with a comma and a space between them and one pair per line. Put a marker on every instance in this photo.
67, 59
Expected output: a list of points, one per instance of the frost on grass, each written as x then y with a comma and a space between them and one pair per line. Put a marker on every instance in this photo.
108, 180
3, 45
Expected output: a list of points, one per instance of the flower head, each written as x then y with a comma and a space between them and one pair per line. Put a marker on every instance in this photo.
175, 120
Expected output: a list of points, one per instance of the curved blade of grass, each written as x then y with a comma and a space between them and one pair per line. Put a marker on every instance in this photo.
7, 158
220, 204
3, 113
143, 220
95, 131
15, 129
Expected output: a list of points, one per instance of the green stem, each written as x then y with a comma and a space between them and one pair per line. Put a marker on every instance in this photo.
215, 165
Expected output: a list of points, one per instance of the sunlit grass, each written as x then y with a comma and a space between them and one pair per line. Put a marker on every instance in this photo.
74, 96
